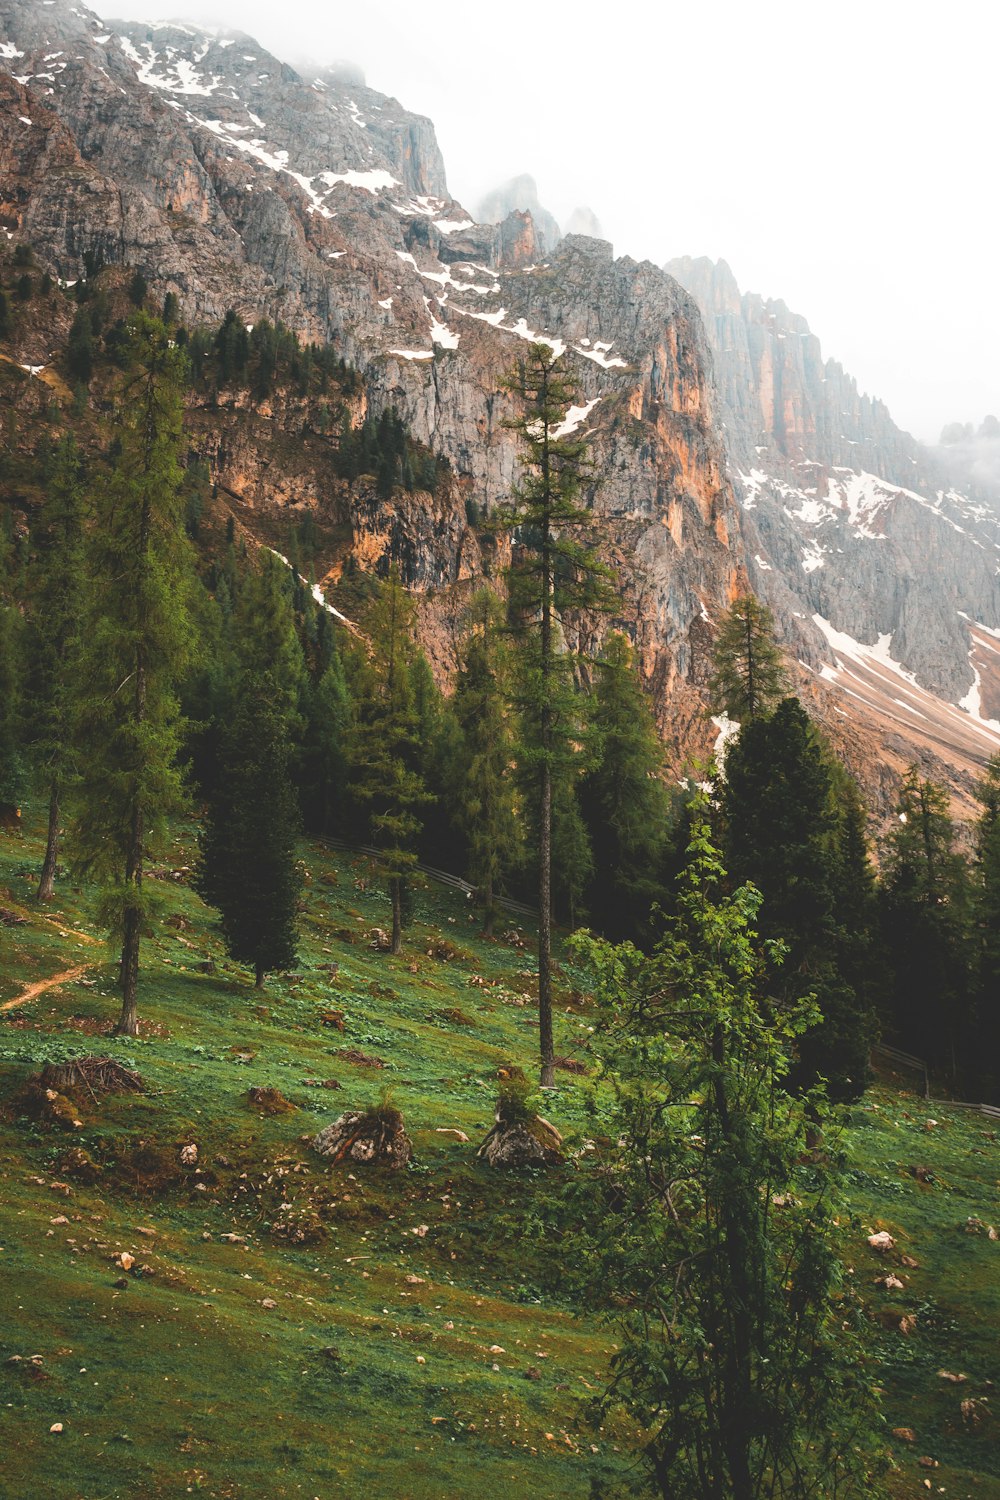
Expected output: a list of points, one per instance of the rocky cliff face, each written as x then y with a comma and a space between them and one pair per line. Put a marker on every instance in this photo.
520, 196
234, 181
853, 531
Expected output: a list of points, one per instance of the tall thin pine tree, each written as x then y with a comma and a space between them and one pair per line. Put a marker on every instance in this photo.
136, 641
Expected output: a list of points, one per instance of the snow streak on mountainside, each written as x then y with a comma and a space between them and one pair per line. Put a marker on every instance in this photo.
852, 529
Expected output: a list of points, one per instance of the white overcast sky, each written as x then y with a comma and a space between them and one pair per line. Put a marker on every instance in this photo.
840, 156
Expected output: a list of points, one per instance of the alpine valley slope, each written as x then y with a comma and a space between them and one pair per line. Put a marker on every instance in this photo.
883, 574
234, 181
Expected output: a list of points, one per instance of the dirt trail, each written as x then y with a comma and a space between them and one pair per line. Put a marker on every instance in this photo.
34, 990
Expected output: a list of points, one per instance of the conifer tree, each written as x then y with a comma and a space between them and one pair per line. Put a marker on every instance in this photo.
622, 796
748, 677
265, 639
782, 834
924, 922
383, 748
248, 868
135, 643
56, 585
486, 790
987, 916
12, 775
324, 765
554, 570
740, 1356
438, 763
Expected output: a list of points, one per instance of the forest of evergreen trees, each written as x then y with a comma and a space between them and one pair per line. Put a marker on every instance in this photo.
142, 674
746, 947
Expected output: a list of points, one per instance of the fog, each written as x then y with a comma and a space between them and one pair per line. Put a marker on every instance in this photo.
839, 157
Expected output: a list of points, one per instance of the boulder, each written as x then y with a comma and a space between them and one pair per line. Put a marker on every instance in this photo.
522, 1143
519, 1137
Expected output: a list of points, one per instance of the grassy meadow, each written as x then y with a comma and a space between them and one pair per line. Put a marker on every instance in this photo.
282, 1328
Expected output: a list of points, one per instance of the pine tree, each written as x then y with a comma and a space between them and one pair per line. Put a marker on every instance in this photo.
438, 763
986, 1038
324, 765
486, 792
748, 676
783, 834
383, 749
12, 772
923, 914
248, 869
56, 585
622, 796
135, 644
739, 1356
554, 570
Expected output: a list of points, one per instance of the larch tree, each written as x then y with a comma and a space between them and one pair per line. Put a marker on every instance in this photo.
135, 643
986, 907
924, 922
554, 570
55, 590
622, 796
782, 833
748, 676
12, 775
248, 869
486, 792
714, 1240
383, 748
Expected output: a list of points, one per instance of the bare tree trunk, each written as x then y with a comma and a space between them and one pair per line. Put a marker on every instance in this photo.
258, 978
47, 882
489, 914
395, 887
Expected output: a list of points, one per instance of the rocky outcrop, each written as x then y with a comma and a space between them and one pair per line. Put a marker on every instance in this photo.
520, 196
780, 394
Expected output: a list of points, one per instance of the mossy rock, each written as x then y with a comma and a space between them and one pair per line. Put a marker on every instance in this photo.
374, 1137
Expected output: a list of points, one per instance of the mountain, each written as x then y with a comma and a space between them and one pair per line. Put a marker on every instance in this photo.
883, 574
727, 449
234, 182
520, 196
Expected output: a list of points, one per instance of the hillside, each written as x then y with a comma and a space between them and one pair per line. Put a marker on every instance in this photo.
414, 1333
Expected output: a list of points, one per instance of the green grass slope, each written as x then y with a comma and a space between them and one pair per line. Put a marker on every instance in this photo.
291, 1329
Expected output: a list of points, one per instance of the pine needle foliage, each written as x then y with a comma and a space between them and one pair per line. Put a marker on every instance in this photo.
248, 869
486, 793
554, 571
717, 1248
383, 744
136, 642
748, 676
